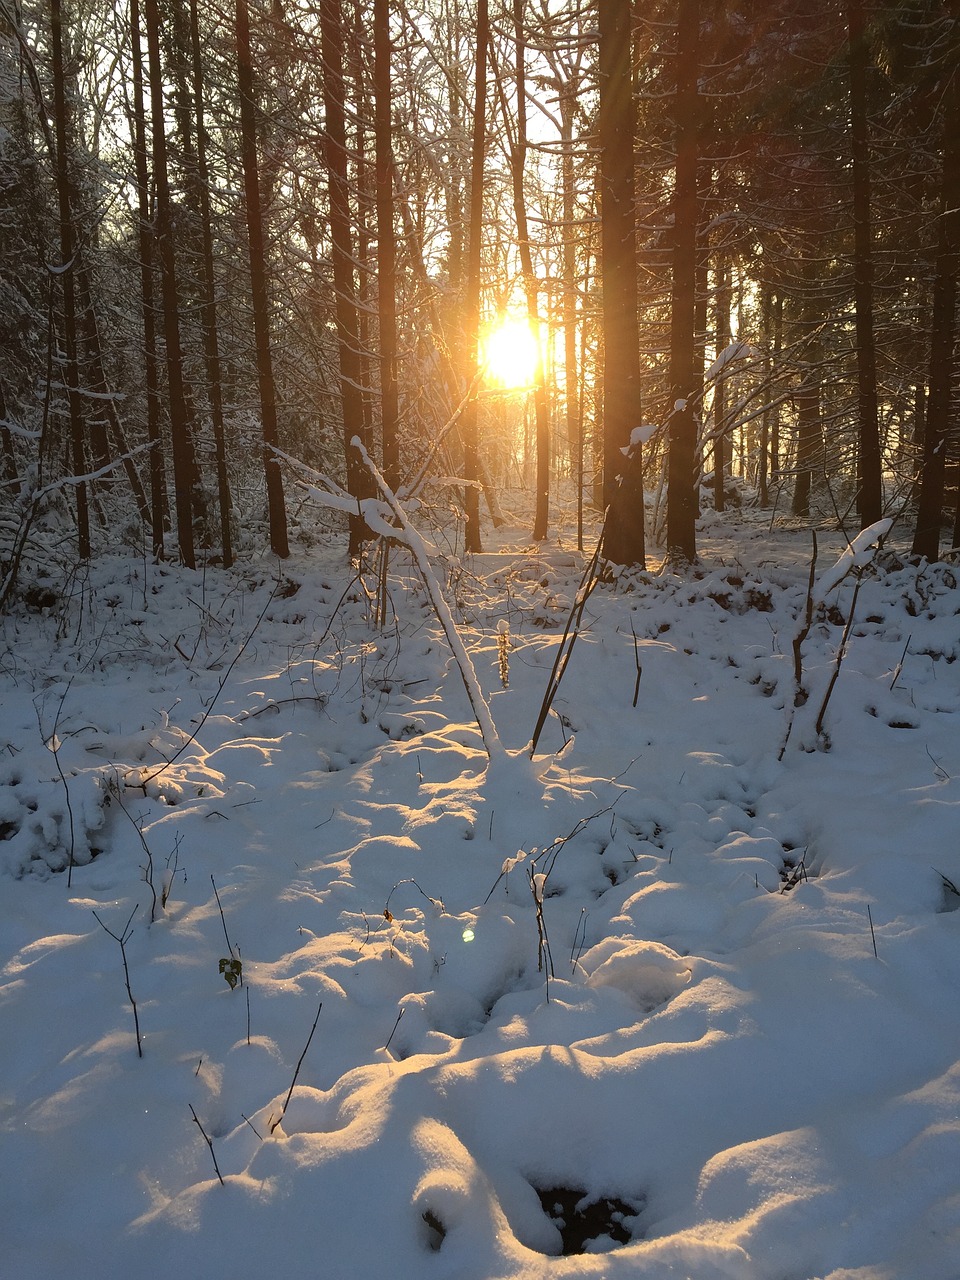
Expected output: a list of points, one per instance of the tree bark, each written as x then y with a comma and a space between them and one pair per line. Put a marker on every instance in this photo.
622, 477
68, 251
681, 492
942, 379
470, 425
208, 310
517, 166
276, 506
351, 396
184, 463
869, 467
145, 240
386, 246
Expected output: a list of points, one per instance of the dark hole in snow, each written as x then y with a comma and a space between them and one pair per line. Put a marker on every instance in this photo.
581, 1218
950, 900
435, 1233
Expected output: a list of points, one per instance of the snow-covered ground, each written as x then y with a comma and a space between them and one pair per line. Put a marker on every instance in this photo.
677, 1000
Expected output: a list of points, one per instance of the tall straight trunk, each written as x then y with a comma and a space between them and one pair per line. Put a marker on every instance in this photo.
184, 463
208, 309
681, 493
809, 422
351, 396
469, 421
110, 425
386, 245
869, 468
723, 299
622, 476
763, 459
145, 240
942, 379
517, 166
571, 375
276, 505
68, 252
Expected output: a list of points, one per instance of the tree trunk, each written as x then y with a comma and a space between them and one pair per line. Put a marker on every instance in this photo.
145, 238
942, 379
869, 468
571, 375
184, 463
68, 252
723, 300
681, 493
276, 506
386, 245
622, 477
208, 310
517, 165
351, 396
470, 426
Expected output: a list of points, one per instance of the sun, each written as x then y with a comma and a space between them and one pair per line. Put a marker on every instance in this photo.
510, 354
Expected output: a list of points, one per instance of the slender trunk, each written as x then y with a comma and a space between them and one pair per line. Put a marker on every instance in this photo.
809, 424
331, 31
723, 300
386, 246
145, 236
110, 424
517, 166
470, 426
276, 506
681, 494
68, 252
622, 477
870, 495
571, 375
208, 309
942, 379
184, 464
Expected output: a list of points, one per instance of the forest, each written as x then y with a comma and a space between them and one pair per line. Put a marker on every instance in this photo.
479, 640
718, 239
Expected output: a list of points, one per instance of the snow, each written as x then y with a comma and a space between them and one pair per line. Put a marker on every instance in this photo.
621, 1000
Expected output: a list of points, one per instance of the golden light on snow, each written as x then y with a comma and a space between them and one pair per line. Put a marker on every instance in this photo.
510, 353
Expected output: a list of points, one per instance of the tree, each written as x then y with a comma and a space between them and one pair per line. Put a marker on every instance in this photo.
256, 240
470, 425
348, 344
869, 492
622, 474
184, 462
681, 497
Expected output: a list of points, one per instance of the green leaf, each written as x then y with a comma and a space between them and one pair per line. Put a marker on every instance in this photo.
232, 970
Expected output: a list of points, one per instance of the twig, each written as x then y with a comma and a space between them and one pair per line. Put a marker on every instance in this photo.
872, 933
838, 661
230, 966
636, 658
283, 1109
206, 1139
899, 667
588, 582
220, 687
53, 743
394, 1031
123, 938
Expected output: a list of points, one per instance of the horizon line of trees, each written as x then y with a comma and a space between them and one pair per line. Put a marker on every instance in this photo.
236, 234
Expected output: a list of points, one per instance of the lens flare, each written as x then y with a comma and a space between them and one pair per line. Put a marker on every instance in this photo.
510, 354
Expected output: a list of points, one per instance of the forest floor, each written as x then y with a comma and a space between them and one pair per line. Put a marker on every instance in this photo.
679, 998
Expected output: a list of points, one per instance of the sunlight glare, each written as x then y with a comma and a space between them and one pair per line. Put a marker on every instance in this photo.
510, 352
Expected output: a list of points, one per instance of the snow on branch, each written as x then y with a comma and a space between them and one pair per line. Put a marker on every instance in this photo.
737, 350
856, 556
405, 532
